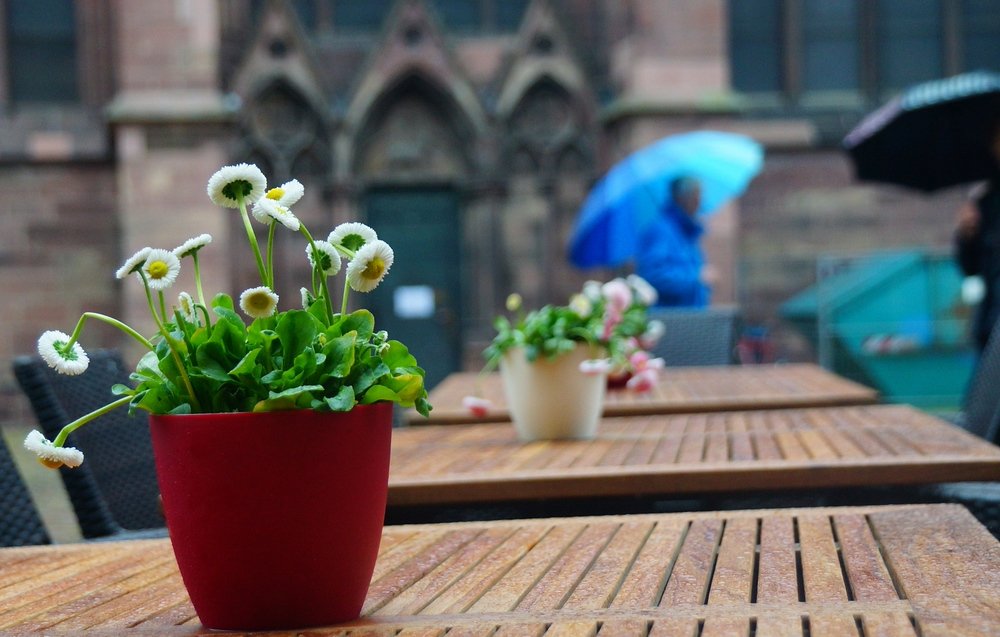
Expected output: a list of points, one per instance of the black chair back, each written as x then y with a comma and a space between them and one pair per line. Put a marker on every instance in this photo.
116, 486
20, 524
981, 404
693, 337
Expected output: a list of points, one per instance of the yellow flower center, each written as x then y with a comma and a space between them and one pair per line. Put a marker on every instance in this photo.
275, 193
51, 464
259, 301
158, 269
374, 269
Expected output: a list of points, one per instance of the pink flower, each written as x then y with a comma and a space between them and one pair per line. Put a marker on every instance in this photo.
595, 367
477, 406
618, 294
639, 359
643, 381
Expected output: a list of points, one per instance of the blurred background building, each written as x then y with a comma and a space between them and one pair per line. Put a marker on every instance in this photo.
466, 131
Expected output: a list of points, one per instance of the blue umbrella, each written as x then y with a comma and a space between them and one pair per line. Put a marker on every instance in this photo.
636, 189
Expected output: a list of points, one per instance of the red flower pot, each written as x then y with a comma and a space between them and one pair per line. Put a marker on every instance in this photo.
275, 518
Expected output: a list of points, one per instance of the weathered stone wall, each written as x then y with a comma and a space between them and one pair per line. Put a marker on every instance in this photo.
59, 251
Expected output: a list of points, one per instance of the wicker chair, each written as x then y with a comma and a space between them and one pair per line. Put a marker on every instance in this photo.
20, 524
116, 489
705, 336
981, 404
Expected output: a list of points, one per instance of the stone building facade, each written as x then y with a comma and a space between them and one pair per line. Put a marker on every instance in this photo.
467, 132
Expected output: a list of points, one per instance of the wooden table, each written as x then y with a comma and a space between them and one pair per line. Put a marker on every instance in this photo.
925, 570
681, 390
687, 453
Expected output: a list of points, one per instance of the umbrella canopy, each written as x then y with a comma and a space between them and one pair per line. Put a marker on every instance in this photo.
636, 189
932, 136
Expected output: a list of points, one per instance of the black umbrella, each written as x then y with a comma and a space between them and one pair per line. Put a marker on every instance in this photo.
934, 135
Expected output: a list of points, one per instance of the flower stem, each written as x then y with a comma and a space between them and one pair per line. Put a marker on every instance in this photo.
347, 291
83, 420
111, 321
171, 345
197, 280
270, 255
163, 306
252, 238
327, 302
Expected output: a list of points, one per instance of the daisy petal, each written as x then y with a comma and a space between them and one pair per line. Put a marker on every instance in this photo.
51, 455
70, 361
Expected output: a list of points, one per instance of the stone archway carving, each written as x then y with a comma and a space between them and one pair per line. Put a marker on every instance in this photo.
413, 133
282, 129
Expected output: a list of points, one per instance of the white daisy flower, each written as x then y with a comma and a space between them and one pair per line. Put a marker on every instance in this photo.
266, 210
186, 306
369, 266
287, 193
259, 302
352, 236
133, 263
307, 298
328, 256
230, 181
52, 348
192, 245
50, 455
161, 268
647, 293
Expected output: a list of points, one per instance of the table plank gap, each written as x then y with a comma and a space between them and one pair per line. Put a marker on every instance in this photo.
821, 570
777, 579
604, 578
734, 567
692, 572
647, 578
866, 571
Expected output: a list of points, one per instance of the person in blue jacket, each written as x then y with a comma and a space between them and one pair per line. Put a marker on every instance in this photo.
669, 255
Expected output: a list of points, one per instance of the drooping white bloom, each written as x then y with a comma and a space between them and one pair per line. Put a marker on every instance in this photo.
187, 309
267, 209
326, 255
258, 302
655, 330
161, 268
477, 406
287, 193
225, 186
595, 367
192, 245
369, 266
133, 263
352, 236
49, 454
70, 361
644, 381
645, 292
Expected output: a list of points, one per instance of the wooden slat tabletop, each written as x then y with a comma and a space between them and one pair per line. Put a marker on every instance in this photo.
685, 453
681, 390
917, 570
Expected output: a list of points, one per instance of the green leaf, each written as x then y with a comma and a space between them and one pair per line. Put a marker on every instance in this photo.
344, 400
296, 331
247, 368
397, 355
339, 353
377, 393
360, 321
222, 300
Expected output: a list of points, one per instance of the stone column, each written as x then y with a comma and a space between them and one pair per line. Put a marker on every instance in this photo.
171, 125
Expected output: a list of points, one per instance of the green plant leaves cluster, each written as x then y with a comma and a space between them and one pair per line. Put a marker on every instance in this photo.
297, 359
554, 330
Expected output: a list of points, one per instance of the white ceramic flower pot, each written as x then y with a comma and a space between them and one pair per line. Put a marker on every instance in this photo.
551, 399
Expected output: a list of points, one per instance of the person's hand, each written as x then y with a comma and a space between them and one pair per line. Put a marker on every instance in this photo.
968, 220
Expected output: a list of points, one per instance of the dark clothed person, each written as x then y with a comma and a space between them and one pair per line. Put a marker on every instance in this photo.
977, 246
670, 258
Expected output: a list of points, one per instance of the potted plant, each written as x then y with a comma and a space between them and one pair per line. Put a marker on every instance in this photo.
555, 361
271, 437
